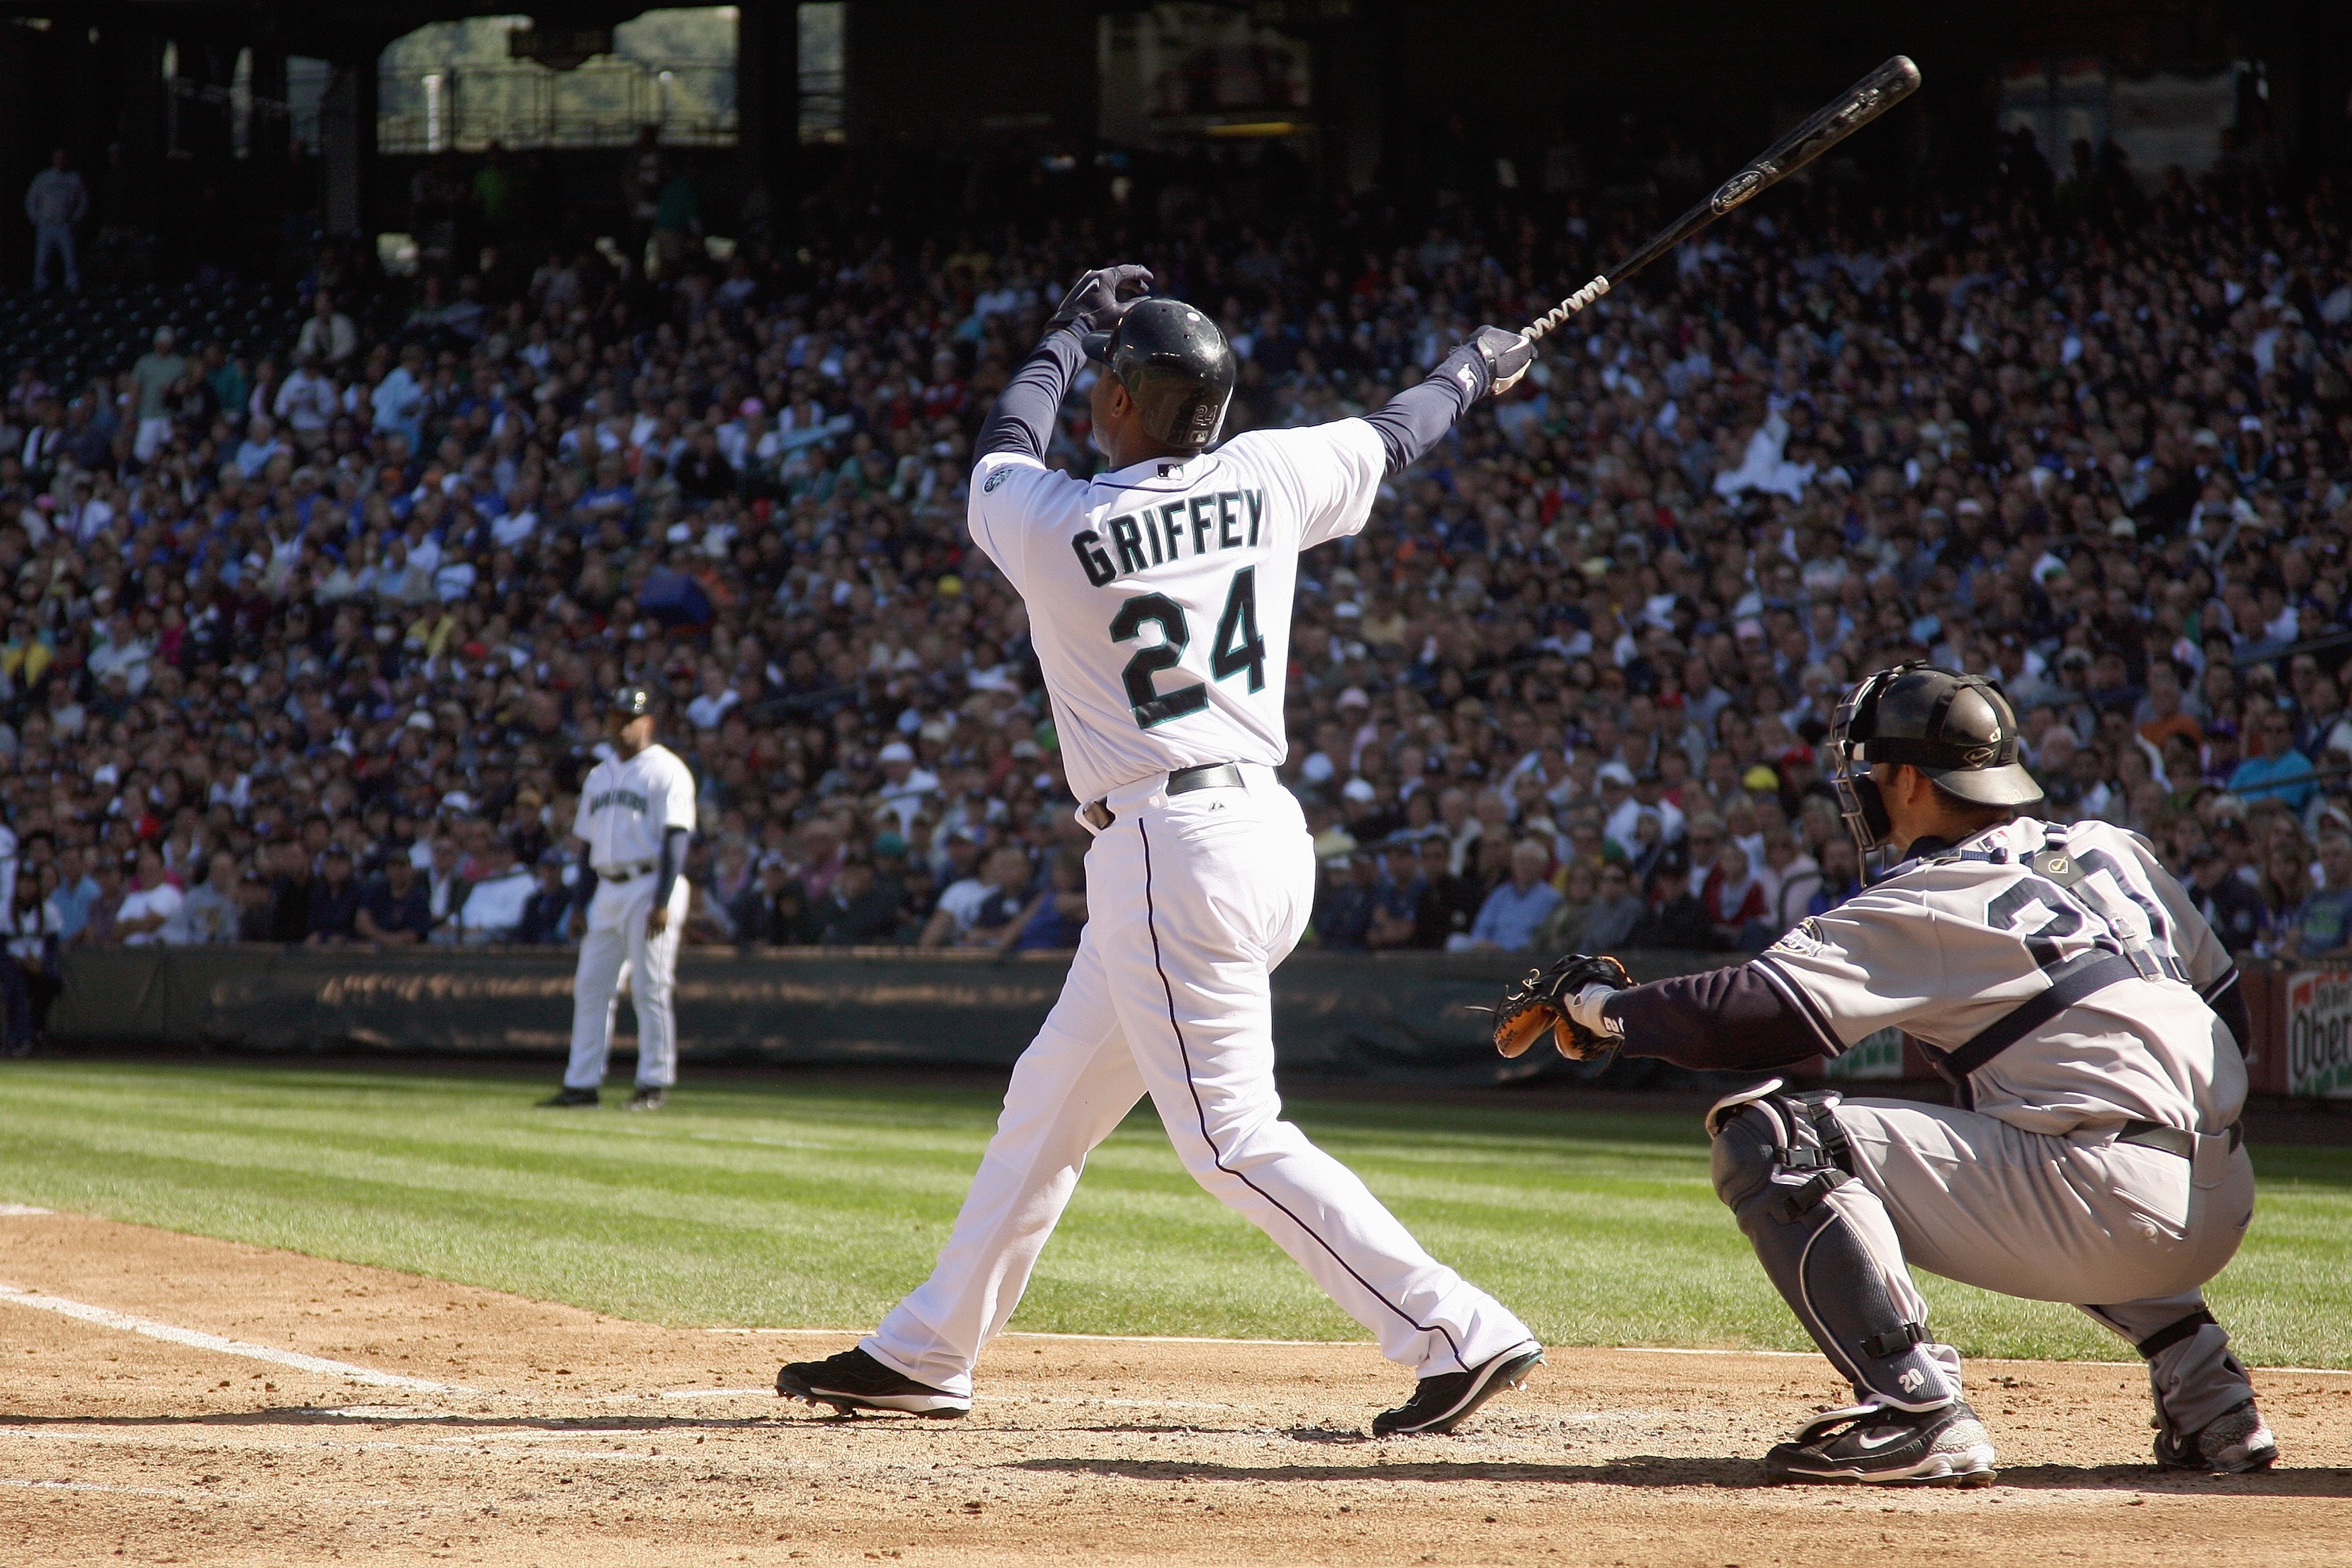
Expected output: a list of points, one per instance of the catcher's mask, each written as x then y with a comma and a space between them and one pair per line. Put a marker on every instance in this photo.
1956, 729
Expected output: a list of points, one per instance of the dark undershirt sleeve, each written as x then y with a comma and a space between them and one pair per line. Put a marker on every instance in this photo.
2228, 999
1417, 419
1724, 1020
673, 861
1023, 419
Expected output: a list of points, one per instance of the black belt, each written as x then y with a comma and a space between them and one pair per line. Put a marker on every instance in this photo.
625, 873
2172, 1139
1098, 816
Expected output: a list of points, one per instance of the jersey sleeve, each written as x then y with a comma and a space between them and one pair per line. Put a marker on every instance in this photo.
1008, 489
1331, 472
1876, 961
676, 807
2201, 952
580, 807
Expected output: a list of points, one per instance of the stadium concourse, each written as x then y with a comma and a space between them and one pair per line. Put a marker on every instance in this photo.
309, 626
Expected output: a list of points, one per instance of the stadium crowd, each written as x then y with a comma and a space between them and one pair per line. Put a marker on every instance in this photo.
312, 649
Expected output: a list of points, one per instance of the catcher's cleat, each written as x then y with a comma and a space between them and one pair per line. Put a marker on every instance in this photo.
1881, 1445
565, 1097
1443, 1402
648, 1099
2232, 1443
854, 1381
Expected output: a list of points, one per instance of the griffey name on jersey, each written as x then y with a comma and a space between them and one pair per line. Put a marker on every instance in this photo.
1223, 519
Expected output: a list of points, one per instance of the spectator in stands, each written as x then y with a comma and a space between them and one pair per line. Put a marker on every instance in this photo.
210, 912
395, 907
2274, 768
1733, 897
1351, 890
861, 909
969, 887
1508, 919
334, 901
77, 894
2320, 930
155, 374
547, 917
1056, 917
328, 338
2231, 904
1396, 908
146, 914
30, 979
54, 203
1616, 910
497, 895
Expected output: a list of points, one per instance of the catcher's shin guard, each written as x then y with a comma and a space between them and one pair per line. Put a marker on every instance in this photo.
1778, 1157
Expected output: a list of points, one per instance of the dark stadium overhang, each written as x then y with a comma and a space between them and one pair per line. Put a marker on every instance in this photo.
341, 30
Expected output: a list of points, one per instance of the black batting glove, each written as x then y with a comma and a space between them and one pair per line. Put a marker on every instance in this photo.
1492, 361
1098, 300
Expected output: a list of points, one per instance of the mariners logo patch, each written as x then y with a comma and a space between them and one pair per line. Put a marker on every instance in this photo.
996, 478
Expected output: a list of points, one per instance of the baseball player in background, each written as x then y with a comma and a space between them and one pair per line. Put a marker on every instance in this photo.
636, 814
2064, 982
1159, 599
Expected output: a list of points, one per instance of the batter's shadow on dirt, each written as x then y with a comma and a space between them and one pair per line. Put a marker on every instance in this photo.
1652, 1471
1634, 1472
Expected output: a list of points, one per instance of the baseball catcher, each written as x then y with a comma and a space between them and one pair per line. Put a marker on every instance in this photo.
2090, 1022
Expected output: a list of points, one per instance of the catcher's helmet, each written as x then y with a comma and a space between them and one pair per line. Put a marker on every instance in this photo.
631, 701
1177, 366
1956, 729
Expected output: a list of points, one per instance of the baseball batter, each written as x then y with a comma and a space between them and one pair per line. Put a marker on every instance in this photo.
1159, 599
2065, 986
636, 814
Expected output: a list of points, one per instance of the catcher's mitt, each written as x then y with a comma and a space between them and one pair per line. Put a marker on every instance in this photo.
1540, 1002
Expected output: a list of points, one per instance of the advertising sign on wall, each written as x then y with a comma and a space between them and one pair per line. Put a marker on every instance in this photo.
2319, 1034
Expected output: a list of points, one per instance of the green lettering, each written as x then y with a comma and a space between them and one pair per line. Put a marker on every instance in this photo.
1128, 542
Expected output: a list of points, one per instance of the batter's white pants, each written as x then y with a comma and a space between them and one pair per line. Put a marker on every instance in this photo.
617, 936
2127, 1232
1191, 902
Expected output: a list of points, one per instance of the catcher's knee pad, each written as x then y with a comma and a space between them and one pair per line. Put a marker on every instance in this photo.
1777, 1156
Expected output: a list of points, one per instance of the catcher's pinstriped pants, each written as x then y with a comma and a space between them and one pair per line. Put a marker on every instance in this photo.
1192, 901
2127, 1232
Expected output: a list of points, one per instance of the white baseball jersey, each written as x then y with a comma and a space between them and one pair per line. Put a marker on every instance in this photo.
1159, 594
1949, 945
626, 806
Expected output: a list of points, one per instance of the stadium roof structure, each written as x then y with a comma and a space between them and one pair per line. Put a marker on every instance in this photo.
327, 29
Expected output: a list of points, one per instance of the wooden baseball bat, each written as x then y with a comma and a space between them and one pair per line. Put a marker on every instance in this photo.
1831, 123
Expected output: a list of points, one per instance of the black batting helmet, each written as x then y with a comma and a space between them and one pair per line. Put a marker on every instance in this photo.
631, 701
1956, 729
1177, 366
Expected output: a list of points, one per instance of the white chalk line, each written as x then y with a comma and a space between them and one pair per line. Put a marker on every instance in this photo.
21, 1211
198, 1339
1970, 1360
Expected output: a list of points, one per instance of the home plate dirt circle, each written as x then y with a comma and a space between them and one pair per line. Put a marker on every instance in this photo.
233, 1404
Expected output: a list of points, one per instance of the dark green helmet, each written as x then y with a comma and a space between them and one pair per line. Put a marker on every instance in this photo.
1177, 366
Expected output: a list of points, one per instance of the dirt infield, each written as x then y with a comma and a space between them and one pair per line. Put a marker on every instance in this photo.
494, 1429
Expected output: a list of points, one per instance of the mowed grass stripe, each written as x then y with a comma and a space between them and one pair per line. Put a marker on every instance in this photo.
789, 1205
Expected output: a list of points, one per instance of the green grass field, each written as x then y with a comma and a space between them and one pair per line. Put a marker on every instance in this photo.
805, 1205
